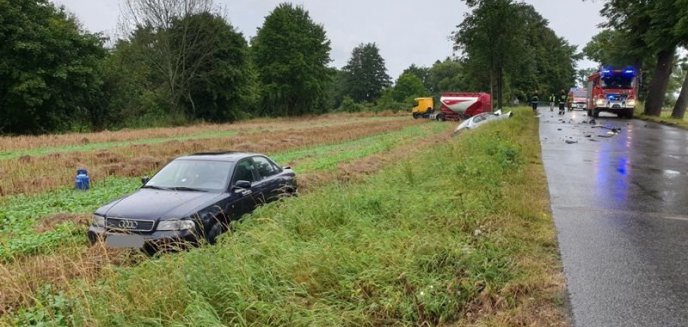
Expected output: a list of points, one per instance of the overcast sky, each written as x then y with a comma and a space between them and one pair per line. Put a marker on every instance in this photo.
406, 31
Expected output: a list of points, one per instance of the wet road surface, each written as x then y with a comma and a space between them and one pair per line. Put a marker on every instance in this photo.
620, 205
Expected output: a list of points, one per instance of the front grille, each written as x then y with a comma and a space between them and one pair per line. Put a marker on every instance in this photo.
134, 225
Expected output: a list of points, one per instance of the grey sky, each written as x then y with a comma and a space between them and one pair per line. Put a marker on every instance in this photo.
406, 31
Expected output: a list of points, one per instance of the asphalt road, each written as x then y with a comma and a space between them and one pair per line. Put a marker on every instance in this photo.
620, 205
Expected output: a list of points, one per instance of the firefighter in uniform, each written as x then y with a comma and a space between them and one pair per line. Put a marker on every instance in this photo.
561, 99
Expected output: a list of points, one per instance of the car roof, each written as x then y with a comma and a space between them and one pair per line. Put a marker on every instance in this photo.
229, 156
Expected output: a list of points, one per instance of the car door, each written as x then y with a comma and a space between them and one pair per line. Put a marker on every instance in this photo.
243, 199
269, 184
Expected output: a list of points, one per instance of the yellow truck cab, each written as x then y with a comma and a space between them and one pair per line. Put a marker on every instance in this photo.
423, 106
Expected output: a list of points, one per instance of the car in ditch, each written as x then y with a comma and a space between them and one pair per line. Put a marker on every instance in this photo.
481, 119
192, 198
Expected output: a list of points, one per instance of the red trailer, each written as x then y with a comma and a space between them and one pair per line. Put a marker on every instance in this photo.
461, 105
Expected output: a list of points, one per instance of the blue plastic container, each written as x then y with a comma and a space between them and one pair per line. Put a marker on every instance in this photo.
82, 181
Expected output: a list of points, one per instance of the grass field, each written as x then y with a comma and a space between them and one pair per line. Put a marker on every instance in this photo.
398, 224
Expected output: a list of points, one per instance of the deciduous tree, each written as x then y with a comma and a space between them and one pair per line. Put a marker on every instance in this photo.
366, 74
291, 53
49, 68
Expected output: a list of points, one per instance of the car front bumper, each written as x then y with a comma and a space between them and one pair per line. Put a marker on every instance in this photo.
150, 242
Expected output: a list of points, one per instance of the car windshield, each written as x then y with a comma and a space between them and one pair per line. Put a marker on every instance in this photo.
193, 175
617, 82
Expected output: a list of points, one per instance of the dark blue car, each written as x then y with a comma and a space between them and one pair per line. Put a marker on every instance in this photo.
190, 199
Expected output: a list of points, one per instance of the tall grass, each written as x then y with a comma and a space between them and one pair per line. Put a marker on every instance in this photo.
441, 238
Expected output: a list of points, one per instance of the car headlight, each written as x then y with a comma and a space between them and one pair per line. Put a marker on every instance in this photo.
169, 225
98, 221
630, 103
600, 102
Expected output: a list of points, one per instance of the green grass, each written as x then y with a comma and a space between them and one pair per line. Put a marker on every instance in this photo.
20, 214
666, 119
329, 156
421, 243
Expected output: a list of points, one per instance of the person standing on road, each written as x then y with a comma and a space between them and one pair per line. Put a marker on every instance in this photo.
534, 101
552, 99
561, 99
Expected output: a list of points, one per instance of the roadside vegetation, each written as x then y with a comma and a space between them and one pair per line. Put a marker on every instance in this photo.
443, 231
666, 119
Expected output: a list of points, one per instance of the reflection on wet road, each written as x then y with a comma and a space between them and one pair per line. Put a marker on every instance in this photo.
619, 193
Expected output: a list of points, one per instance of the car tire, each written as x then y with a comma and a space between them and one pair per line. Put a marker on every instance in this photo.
415, 115
595, 113
629, 114
589, 113
440, 117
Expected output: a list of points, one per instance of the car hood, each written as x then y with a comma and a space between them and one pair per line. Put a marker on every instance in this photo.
159, 204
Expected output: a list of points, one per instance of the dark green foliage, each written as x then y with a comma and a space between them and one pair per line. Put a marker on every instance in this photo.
366, 74
291, 53
407, 87
214, 78
220, 80
423, 73
495, 31
447, 75
651, 31
49, 69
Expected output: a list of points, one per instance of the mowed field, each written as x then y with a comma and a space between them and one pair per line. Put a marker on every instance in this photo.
398, 224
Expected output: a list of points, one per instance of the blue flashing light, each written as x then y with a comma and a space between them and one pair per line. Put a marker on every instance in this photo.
629, 72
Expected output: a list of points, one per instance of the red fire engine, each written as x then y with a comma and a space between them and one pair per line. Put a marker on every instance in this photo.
613, 90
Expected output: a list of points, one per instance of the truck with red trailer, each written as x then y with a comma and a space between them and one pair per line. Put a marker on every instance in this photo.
461, 105
614, 90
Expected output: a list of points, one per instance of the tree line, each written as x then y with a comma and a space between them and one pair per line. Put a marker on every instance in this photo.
647, 35
181, 61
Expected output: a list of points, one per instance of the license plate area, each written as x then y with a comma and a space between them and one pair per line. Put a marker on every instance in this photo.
124, 241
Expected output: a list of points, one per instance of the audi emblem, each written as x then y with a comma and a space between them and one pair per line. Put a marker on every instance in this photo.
128, 224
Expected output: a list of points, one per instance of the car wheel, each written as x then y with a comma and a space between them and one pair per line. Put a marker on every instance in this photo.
629, 114
214, 233
440, 117
589, 113
415, 115
595, 113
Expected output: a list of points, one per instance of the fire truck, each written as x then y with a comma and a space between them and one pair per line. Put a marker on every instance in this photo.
613, 90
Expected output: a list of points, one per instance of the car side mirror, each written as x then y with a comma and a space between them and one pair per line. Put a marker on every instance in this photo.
144, 180
241, 184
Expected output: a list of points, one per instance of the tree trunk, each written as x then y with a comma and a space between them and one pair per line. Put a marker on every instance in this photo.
492, 95
682, 102
500, 85
660, 80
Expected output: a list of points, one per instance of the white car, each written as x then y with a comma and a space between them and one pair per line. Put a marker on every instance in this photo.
480, 119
